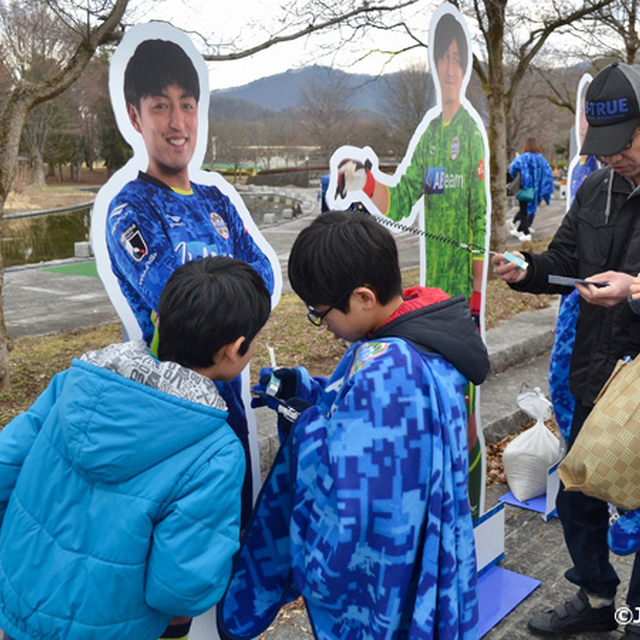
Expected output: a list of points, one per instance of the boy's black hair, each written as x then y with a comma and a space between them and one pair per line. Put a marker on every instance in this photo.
449, 29
340, 251
207, 304
155, 65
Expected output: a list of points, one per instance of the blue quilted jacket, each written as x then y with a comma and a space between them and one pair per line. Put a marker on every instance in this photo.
119, 504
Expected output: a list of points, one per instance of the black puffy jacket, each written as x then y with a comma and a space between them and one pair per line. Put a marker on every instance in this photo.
600, 232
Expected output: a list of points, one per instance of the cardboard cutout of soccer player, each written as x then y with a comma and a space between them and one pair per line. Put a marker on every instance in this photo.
161, 210
443, 184
579, 166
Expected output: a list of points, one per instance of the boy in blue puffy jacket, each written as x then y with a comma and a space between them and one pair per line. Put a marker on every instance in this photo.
365, 512
120, 487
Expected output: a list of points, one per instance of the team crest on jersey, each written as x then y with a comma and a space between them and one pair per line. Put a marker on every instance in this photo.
132, 240
219, 225
366, 353
455, 148
434, 180
481, 169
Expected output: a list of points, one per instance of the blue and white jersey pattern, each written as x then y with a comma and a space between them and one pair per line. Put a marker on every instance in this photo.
152, 230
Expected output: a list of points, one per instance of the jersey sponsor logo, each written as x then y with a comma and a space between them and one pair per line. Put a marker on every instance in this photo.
195, 250
135, 245
434, 180
219, 225
455, 148
437, 180
481, 169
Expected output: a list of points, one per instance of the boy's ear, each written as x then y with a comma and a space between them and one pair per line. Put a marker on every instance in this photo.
231, 351
134, 117
367, 297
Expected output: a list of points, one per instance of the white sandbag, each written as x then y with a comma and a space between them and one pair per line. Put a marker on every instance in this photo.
527, 457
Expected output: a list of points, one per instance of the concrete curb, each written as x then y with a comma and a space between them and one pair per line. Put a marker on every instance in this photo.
519, 351
525, 336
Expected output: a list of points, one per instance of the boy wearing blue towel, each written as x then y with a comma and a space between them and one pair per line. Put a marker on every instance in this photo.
365, 512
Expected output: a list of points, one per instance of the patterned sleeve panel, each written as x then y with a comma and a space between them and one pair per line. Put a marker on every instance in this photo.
245, 247
389, 457
139, 246
410, 187
372, 480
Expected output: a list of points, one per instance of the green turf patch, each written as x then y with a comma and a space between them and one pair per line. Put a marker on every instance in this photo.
76, 269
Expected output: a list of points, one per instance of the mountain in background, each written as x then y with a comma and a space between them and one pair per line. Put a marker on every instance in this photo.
284, 91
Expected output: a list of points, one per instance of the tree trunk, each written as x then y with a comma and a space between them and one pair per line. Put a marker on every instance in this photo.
493, 84
38, 169
23, 98
11, 122
5, 340
498, 168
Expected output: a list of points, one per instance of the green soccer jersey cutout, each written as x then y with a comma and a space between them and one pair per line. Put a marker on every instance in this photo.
442, 185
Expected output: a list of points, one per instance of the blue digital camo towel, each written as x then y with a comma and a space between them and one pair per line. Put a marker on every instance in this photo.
560, 362
370, 479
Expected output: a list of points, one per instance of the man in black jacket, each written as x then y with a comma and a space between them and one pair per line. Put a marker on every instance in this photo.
598, 239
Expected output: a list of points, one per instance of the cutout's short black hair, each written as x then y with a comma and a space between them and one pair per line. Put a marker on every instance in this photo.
155, 65
340, 251
447, 30
207, 304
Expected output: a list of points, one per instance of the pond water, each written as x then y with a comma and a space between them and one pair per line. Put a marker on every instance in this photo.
27, 240
51, 236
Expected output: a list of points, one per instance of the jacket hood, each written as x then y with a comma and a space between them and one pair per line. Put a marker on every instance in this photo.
114, 406
436, 323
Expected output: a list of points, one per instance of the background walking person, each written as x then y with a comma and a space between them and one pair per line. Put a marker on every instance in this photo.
536, 184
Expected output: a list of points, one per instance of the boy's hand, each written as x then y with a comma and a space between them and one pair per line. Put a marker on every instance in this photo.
289, 383
355, 176
287, 387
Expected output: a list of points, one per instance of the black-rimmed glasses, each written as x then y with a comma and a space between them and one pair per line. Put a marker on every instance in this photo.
316, 318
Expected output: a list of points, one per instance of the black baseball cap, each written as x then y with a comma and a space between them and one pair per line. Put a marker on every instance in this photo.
612, 109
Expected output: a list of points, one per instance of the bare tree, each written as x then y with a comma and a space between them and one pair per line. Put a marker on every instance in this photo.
505, 66
35, 135
328, 114
88, 32
511, 36
619, 18
407, 97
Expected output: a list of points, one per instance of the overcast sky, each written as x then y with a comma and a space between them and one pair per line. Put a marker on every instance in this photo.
233, 22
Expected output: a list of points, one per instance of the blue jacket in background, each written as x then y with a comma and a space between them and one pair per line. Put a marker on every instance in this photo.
535, 172
119, 502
